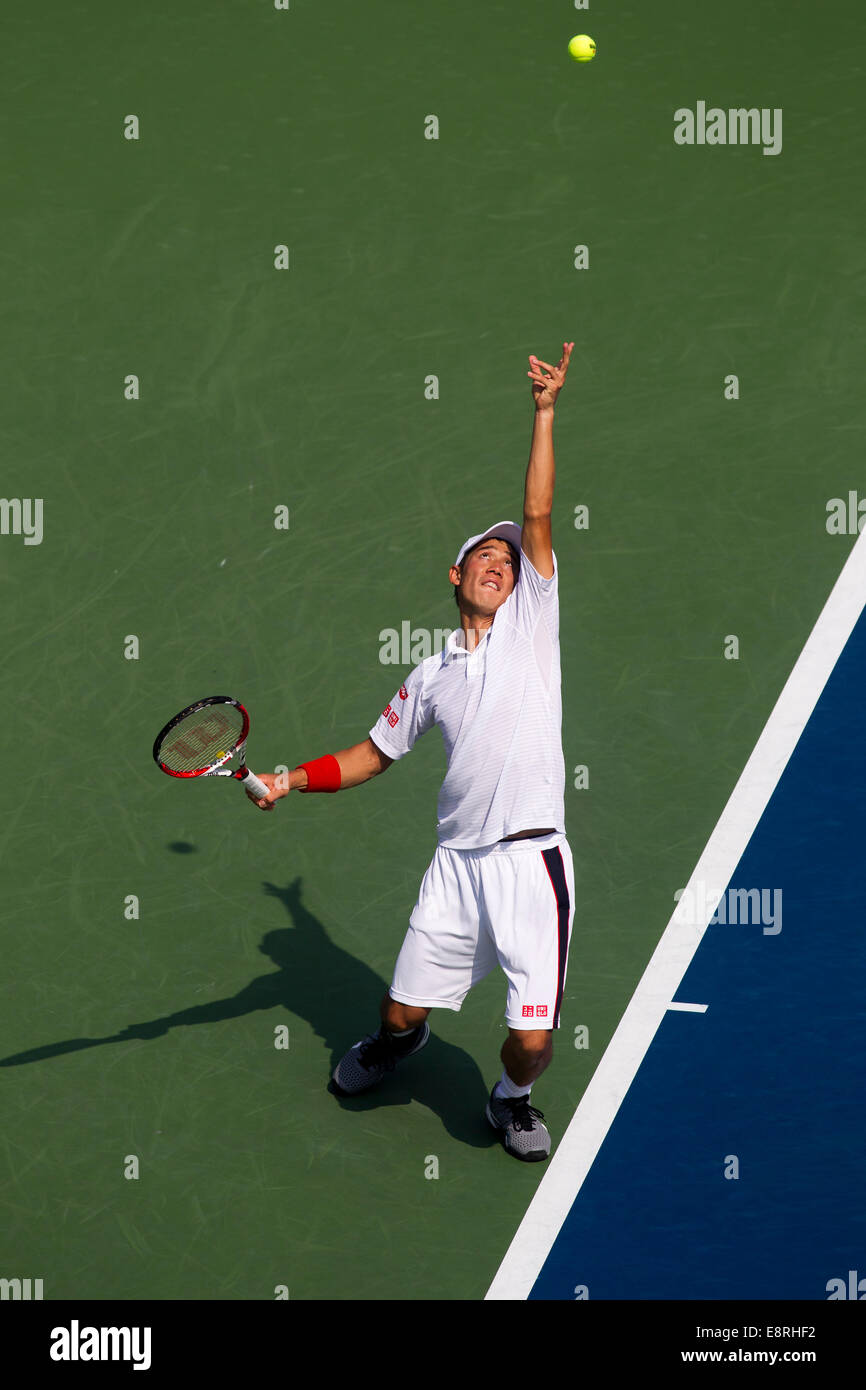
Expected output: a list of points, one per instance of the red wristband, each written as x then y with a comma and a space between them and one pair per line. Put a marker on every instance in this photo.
323, 774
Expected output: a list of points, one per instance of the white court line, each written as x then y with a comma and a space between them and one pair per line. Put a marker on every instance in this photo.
670, 960
688, 1008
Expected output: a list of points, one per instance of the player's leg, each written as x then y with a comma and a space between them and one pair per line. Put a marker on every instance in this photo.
403, 1031
401, 1018
526, 1054
530, 897
521, 1126
440, 959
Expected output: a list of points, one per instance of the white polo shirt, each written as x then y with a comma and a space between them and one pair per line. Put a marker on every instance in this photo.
500, 712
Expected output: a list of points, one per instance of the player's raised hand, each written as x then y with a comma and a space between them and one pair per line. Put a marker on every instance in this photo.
547, 381
277, 785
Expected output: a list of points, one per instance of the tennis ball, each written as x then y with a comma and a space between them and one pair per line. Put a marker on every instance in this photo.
582, 48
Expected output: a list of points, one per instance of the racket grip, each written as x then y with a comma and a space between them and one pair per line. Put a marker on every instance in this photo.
252, 784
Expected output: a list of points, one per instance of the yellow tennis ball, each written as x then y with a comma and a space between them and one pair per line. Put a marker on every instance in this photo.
582, 48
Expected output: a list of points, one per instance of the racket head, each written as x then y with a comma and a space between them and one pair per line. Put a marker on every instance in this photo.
202, 737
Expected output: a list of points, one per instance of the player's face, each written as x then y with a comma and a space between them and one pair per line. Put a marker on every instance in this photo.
487, 577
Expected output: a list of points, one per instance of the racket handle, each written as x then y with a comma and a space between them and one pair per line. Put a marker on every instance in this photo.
252, 784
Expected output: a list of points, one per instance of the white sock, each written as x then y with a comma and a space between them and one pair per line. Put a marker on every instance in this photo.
508, 1089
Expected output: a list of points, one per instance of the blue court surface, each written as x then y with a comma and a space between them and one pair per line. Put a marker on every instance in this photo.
768, 1082
717, 1152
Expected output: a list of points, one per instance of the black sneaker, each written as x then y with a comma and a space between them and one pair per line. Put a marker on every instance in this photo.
367, 1062
519, 1123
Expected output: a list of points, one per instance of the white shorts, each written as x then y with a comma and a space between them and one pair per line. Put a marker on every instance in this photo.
509, 904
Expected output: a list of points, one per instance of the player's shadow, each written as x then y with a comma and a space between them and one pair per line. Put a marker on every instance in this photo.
339, 996
347, 993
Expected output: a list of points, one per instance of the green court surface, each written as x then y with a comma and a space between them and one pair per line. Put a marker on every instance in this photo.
307, 388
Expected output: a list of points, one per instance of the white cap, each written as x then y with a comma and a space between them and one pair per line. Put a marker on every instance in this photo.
503, 531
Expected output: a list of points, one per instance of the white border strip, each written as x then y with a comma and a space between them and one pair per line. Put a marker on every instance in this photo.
612, 1078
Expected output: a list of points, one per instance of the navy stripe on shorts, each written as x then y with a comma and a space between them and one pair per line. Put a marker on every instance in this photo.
556, 870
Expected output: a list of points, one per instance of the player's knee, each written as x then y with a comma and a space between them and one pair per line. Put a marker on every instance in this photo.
400, 1017
531, 1047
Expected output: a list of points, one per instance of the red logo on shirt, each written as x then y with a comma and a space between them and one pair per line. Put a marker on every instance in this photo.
403, 693
391, 715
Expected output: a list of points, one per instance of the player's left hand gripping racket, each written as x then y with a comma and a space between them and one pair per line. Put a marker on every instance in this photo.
203, 737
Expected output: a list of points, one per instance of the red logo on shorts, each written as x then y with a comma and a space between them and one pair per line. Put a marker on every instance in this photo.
393, 718
541, 1011
403, 693
528, 1010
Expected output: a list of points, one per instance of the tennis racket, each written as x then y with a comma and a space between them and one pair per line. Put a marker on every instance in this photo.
200, 740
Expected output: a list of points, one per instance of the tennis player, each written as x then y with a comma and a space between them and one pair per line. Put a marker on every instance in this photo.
500, 887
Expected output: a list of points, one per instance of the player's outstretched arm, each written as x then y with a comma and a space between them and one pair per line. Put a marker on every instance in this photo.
536, 540
356, 765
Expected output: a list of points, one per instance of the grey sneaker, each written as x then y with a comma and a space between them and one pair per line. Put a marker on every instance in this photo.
367, 1062
523, 1134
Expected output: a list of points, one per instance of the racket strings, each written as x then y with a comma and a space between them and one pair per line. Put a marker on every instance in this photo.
201, 739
